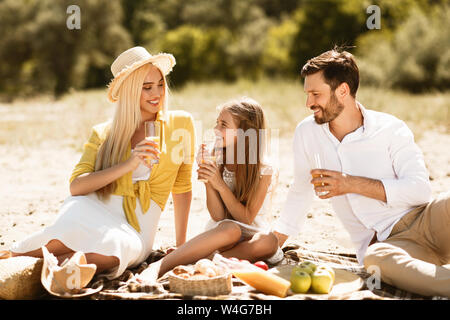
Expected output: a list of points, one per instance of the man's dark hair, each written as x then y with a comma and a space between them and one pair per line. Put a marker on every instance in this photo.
338, 66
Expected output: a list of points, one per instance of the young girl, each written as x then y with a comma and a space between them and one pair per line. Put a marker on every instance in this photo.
116, 195
236, 193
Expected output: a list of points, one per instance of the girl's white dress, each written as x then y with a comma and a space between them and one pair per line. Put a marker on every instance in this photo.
262, 221
87, 224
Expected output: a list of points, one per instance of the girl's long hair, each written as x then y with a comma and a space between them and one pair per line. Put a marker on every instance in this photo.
126, 121
247, 115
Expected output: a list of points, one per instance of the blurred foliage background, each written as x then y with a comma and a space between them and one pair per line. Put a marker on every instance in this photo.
224, 40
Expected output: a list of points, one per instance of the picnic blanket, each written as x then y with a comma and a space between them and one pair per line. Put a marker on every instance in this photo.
125, 287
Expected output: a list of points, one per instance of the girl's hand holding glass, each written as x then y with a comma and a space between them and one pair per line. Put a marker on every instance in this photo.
208, 172
205, 155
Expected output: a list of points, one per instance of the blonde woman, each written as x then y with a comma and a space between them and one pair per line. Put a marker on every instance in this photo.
238, 194
117, 196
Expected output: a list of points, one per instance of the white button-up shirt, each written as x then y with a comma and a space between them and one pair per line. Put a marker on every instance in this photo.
383, 149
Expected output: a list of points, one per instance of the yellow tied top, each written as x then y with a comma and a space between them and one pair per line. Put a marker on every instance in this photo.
172, 174
141, 188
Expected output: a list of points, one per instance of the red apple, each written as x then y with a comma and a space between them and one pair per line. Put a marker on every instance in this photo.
262, 265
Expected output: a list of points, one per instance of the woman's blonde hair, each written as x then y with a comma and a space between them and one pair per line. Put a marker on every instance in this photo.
126, 121
247, 115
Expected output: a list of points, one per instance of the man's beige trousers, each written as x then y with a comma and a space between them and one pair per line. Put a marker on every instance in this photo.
416, 255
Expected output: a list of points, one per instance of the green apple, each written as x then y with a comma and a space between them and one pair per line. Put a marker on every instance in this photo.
300, 282
306, 269
308, 264
321, 281
327, 268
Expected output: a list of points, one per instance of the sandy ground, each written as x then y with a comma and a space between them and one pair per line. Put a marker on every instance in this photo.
34, 184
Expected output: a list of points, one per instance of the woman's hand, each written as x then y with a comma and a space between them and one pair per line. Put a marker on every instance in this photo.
93, 181
143, 152
210, 172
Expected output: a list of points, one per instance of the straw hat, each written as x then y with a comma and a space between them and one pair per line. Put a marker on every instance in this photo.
132, 59
70, 279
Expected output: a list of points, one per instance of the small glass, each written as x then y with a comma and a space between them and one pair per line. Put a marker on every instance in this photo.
153, 133
207, 152
318, 165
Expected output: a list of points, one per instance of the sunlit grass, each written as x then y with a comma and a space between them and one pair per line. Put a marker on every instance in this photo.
69, 119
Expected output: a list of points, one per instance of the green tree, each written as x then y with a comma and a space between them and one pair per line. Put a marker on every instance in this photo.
276, 58
415, 56
200, 54
221, 39
322, 24
45, 56
278, 9
394, 13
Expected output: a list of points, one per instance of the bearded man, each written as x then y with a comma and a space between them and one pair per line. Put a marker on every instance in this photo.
375, 176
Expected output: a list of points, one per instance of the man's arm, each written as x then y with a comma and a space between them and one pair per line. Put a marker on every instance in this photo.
299, 197
338, 183
409, 187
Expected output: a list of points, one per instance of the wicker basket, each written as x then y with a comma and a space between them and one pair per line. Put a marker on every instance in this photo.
219, 285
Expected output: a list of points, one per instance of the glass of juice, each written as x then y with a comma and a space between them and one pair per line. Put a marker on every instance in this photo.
318, 165
153, 133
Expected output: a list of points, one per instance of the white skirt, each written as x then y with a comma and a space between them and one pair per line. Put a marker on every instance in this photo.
89, 225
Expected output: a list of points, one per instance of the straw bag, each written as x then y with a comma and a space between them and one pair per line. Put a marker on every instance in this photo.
20, 278
219, 285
